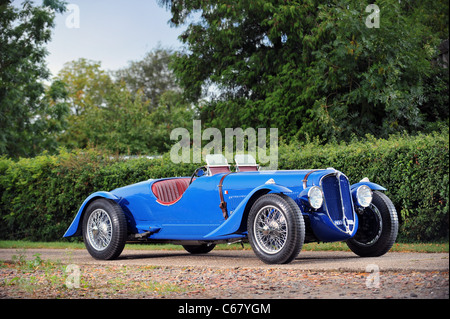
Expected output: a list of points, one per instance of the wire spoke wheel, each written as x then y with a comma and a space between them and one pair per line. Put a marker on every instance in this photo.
276, 230
99, 229
270, 229
104, 229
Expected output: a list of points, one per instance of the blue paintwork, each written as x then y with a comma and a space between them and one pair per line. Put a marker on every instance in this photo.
74, 228
373, 186
197, 216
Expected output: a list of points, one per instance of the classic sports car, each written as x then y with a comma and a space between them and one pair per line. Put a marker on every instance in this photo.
276, 211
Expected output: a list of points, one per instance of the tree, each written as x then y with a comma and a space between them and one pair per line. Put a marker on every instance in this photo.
30, 116
88, 87
109, 115
313, 67
152, 75
87, 84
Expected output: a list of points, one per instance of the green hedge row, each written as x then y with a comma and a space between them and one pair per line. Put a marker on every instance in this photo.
40, 196
415, 171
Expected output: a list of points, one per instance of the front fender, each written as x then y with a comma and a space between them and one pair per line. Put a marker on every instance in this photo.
372, 186
233, 223
74, 228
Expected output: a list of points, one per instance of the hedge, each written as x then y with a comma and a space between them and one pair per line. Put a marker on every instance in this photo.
415, 171
40, 196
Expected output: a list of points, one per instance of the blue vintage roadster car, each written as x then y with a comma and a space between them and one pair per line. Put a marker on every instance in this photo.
276, 211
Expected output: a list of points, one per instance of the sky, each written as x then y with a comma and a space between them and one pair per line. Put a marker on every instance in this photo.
113, 32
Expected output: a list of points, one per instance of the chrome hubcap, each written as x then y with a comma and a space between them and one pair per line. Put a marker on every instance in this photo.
99, 229
270, 229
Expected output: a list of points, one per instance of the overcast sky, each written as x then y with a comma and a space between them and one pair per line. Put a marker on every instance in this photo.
110, 31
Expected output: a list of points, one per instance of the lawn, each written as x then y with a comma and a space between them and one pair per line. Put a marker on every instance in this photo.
337, 246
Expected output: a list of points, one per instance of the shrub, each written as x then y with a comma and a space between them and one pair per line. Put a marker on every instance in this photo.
40, 196
415, 171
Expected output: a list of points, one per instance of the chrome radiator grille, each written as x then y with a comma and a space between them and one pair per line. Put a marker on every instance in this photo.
338, 201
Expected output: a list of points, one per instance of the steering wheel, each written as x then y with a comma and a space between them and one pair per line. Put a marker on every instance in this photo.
198, 172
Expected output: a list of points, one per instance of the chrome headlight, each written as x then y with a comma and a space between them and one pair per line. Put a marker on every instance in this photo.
364, 195
315, 197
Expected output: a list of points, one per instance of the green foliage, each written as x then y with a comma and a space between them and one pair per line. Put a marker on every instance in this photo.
40, 196
31, 116
415, 171
123, 117
309, 68
313, 68
151, 75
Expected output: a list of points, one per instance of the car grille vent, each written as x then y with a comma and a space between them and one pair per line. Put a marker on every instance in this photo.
338, 201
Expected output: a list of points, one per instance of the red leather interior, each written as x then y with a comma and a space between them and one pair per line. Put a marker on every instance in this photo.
170, 191
248, 168
219, 169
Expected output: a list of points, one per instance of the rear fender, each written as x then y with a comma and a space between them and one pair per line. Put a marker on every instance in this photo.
238, 218
75, 229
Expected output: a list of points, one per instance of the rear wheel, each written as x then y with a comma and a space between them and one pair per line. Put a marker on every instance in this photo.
104, 229
378, 228
276, 230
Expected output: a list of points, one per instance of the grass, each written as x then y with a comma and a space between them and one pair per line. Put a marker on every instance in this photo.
337, 246
38, 278
23, 244
398, 247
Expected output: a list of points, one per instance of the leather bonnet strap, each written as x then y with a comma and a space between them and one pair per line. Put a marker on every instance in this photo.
223, 203
305, 179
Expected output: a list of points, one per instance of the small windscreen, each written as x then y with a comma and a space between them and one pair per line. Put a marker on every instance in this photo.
216, 160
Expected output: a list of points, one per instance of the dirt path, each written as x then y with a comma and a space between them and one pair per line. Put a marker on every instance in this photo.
221, 275
307, 260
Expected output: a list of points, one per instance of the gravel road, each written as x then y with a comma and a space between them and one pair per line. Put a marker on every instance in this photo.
307, 260
228, 274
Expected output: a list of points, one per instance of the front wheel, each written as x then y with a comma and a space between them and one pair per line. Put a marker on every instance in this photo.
104, 229
378, 228
276, 230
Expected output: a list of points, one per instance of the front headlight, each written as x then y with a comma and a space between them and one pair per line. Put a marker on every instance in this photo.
364, 195
315, 197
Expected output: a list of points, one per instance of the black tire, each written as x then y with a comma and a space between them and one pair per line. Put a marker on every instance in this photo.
104, 229
276, 230
199, 249
378, 228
